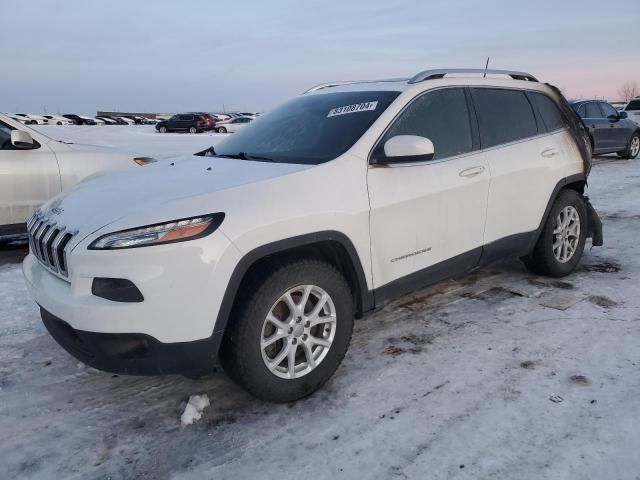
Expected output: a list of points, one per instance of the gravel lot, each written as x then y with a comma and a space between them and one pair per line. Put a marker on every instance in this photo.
499, 375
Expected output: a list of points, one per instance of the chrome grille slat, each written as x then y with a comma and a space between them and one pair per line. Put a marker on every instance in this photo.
54, 248
48, 242
51, 233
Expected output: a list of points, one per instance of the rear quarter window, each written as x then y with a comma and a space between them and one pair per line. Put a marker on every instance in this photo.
504, 116
551, 116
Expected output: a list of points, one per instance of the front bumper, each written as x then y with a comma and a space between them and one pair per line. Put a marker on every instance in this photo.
134, 353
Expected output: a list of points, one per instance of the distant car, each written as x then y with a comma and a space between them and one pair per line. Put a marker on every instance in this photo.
79, 120
633, 110
209, 121
126, 120
58, 120
23, 120
610, 131
231, 126
34, 118
618, 105
183, 122
97, 120
108, 120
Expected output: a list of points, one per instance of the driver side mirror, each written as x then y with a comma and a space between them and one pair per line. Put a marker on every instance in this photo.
407, 148
21, 139
623, 114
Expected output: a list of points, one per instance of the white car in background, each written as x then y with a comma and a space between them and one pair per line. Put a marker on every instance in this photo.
57, 120
35, 167
633, 110
233, 125
34, 118
129, 121
23, 120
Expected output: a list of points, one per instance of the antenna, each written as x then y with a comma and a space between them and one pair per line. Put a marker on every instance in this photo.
486, 66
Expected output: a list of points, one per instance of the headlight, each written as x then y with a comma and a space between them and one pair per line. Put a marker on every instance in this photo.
142, 161
160, 233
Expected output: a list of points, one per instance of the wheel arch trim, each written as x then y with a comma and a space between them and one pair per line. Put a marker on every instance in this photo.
364, 296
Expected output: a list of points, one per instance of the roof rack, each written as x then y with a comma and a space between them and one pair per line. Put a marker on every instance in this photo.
352, 82
440, 73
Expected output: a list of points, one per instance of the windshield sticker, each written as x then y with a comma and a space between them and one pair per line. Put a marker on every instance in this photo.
358, 107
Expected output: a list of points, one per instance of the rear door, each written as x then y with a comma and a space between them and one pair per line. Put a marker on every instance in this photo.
426, 212
521, 161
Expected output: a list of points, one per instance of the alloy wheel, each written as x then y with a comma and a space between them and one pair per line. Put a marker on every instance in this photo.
635, 146
298, 331
566, 234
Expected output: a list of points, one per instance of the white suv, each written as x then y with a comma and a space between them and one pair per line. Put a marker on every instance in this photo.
262, 251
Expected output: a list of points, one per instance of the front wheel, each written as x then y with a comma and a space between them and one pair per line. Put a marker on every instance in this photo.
632, 149
193, 130
222, 130
162, 129
289, 331
561, 243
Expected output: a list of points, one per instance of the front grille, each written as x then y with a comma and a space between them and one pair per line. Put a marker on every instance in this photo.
48, 242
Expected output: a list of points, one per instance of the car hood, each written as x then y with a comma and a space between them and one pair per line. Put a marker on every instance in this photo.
100, 201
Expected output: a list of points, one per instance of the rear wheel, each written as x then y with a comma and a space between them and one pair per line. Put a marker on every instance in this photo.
290, 331
193, 130
222, 130
561, 243
633, 148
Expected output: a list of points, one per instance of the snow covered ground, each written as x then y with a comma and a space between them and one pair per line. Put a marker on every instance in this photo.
500, 374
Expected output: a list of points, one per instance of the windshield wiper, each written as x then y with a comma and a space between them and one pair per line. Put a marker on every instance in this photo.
245, 156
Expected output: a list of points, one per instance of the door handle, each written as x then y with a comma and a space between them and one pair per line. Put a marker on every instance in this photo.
549, 152
471, 172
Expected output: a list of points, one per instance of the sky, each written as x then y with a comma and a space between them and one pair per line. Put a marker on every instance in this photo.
78, 56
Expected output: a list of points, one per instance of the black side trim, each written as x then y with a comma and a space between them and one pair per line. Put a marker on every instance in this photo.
519, 245
365, 302
428, 276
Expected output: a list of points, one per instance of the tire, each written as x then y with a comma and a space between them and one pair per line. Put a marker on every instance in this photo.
59, 123
550, 261
242, 355
162, 129
633, 148
193, 130
222, 130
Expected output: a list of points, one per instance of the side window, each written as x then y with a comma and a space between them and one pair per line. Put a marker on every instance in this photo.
5, 137
608, 110
505, 116
548, 110
582, 111
592, 111
441, 116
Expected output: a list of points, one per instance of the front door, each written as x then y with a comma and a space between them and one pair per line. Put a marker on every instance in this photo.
427, 218
28, 178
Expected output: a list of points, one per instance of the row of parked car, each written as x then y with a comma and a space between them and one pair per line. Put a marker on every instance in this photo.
73, 119
198, 122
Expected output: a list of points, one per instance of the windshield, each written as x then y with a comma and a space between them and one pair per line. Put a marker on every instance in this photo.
309, 129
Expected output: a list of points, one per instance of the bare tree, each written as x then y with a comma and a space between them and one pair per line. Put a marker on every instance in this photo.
629, 90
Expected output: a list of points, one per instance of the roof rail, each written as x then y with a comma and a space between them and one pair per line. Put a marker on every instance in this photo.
352, 82
440, 73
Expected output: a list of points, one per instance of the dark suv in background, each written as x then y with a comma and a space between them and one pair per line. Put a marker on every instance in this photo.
183, 122
610, 131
